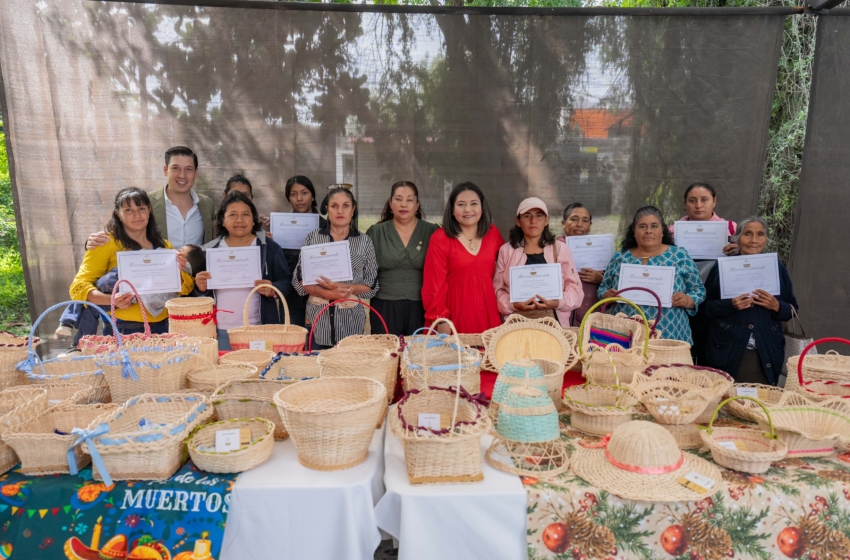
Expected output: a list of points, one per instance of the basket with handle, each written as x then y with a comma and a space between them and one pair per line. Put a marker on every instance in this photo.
443, 454
251, 398
205, 379
674, 397
201, 445
277, 338
715, 381
747, 450
165, 373
43, 442
745, 409
820, 376
73, 368
633, 326
105, 344
379, 342
810, 428
432, 360
17, 405
13, 349
598, 367
120, 450
69, 393
598, 409
192, 316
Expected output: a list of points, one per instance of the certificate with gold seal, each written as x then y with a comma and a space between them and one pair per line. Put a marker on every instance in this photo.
591, 251
542, 280
748, 273
290, 230
150, 272
659, 279
233, 267
331, 260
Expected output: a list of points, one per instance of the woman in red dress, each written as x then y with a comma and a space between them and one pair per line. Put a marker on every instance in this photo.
457, 280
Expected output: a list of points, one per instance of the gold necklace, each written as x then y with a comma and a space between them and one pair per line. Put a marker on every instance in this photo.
472, 246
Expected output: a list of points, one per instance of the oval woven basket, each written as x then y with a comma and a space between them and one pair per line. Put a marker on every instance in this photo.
275, 338
251, 398
715, 381
13, 350
673, 398
809, 428
257, 358
743, 449
332, 421
192, 316
206, 379
201, 446
745, 409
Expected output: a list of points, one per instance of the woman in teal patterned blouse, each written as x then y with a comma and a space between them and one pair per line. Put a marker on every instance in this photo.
648, 242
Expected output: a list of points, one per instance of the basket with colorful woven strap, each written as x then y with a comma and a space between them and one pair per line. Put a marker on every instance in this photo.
820, 376
275, 338
623, 330
747, 450
599, 366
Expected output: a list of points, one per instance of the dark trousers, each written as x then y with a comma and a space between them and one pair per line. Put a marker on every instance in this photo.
86, 323
403, 316
751, 370
699, 333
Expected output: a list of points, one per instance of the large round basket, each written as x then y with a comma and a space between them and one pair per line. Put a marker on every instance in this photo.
332, 421
715, 381
743, 449
18, 405
147, 372
451, 453
628, 357
207, 378
432, 360
13, 350
388, 342
257, 358
276, 338
809, 428
192, 316
251, 398
540, 338
672, 397
820, 376
745, 409
201, 446
42, 443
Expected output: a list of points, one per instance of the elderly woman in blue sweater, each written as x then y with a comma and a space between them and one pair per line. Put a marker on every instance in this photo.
745, 335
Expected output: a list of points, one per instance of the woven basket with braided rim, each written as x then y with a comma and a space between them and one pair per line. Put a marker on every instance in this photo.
13, 349
201, 446
276, 338
154, 373
716, 381
539, 338
673, 398
251, 398
17, 405
192, 316
809, 428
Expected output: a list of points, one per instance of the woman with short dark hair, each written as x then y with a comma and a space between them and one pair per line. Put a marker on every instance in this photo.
457, 281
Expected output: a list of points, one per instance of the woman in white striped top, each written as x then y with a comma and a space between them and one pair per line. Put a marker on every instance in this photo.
347, 318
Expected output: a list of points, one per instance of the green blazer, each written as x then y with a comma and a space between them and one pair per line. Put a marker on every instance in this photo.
205, 207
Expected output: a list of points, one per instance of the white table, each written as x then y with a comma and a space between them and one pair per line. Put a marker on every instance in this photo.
482, 520
283, 510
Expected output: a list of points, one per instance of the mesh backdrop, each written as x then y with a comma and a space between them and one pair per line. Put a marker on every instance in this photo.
612, 111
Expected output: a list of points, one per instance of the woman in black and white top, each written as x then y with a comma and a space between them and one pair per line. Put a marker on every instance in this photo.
347, 318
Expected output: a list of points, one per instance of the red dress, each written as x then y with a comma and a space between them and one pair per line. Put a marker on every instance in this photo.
458, 285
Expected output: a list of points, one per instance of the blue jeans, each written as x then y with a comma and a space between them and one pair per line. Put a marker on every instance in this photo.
81, 317
132, 327
223, 340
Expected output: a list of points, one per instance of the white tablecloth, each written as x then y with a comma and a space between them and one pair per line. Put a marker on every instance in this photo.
282, 510
482, 520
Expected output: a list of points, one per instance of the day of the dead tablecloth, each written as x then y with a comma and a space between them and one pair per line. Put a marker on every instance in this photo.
75, 517
800, 508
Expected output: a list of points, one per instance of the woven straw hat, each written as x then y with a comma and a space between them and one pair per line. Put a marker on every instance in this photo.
622, 465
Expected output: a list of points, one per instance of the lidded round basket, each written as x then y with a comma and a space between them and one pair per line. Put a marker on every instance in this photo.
528, 415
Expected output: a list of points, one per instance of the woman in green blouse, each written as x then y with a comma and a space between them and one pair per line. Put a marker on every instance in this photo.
401, 241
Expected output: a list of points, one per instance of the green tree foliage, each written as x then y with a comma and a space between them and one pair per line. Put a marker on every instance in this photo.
13, 291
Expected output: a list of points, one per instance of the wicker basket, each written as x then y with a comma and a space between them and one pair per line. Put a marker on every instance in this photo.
637, 326
201, 446
150, 373
809, 428
553, 375
69, 393
277, 338
13, 350
665, 351
672, 397
332, 421
597, 410
528, 415
598, 367
205, 379
539, 338
41, 447
516, 373
359, 362
17, 406
292, 367
820, 376
257, 358
430, 360
745, 409
192, 316
743, 449
251, 398
686, 435
715, 381
206, 347
387, 342
121, 452
450, 454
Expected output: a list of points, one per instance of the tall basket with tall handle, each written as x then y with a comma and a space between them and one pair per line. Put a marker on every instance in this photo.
828, 374
599, 366
276, 338
442, 454
432, 360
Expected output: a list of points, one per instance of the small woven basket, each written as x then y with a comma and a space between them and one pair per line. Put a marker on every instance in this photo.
13, 350
332, 421
809, 428
599, 368
192, 316
130, 454
43, 443
664, 351
745, 409
553, 375
445, 455
148, 372
251, 398
528, 415
388, 342
69, 393
743, 449
432, 360
686, 435
672, 398
715, 382
257, 358
636, 326
820, 376
202, 451
597, 409
516, 373
207, 378
276, 338
17, 406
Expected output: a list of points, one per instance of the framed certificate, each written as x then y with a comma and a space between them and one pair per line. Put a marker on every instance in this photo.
703, 240
150, 272
747, 273
331, 260
290, 230
233, 267
591, 251
542, 280
659, 279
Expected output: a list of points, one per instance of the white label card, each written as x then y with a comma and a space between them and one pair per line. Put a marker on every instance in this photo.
427, 420
747, 392
727, 444
227, 440
257, 345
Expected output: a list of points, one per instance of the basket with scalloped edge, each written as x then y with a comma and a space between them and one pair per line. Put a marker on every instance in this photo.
673, 398
745, 409
716, 384
542, 339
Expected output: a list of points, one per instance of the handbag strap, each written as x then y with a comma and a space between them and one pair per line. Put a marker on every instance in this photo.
796, 319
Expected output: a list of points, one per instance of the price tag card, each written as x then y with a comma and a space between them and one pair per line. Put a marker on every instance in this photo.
754, 392
739, 445
697, 482
257, 345
227, 440
429, 421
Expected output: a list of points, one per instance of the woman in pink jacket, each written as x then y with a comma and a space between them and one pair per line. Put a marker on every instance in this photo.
531, 242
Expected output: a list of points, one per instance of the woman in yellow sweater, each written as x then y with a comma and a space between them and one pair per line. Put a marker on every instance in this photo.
131, 228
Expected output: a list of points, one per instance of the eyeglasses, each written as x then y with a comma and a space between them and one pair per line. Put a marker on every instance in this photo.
135, 211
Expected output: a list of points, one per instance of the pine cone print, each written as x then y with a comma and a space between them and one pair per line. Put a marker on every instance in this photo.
838, 476
826, 543
737, 479
792, 462
594, 541
711, 543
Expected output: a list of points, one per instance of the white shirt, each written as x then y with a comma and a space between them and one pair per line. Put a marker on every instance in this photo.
233, 299
184, 231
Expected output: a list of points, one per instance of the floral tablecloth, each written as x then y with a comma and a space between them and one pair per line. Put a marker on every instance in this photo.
800, 508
